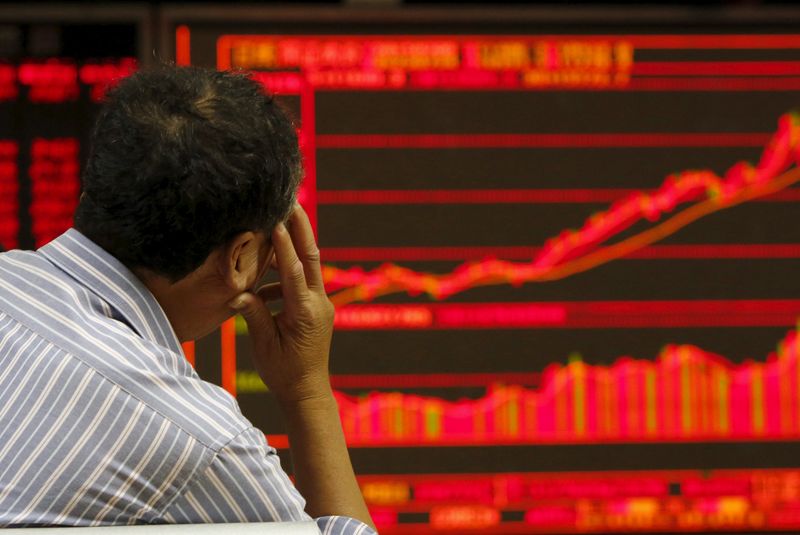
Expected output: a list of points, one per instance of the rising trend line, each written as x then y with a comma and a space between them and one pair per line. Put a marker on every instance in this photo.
575, 251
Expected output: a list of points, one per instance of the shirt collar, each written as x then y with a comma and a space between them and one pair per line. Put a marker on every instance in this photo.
107, 277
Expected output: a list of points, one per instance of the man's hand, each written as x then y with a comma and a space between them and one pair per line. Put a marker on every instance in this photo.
290, 349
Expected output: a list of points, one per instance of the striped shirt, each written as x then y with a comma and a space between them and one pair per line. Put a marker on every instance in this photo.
102, 419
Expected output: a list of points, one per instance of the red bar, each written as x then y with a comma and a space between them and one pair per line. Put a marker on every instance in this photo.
183, 46
640, 83
308, 147
280, 442
498, 196
227, 334
455, 141
471, 196
460, 254
786, 195
380, 254
577, 314
755, 250
709, 84
745, 42
189, 351
717, 68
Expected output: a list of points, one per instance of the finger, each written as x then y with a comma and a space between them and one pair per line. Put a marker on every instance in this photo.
290, 269
306, 247
270, 292
260, 323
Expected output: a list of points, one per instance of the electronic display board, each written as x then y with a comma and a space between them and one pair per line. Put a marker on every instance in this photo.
54, 69
564, 298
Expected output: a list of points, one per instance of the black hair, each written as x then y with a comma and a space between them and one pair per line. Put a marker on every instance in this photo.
182, 159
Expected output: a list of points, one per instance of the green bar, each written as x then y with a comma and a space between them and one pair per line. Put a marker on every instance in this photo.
249, 382
433, 422
240, 324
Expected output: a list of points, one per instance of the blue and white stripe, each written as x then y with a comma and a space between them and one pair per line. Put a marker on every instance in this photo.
102, 420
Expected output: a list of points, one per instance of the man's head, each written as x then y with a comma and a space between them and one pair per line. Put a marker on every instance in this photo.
189, 171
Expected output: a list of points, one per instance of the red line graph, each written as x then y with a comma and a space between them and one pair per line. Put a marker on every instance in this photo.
575, 251
444, 253
464, 141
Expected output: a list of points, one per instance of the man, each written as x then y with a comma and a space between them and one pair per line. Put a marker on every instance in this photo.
191, 177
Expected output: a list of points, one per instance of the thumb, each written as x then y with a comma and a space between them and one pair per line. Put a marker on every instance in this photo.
260, 322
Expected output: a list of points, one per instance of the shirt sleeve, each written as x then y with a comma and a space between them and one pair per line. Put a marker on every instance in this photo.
245, 483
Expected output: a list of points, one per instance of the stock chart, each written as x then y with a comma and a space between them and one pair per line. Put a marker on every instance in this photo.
562, 267
561, 260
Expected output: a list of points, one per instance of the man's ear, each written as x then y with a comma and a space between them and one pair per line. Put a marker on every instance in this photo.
242, 262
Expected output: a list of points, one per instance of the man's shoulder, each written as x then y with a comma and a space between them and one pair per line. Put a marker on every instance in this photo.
67, 315
166, 383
